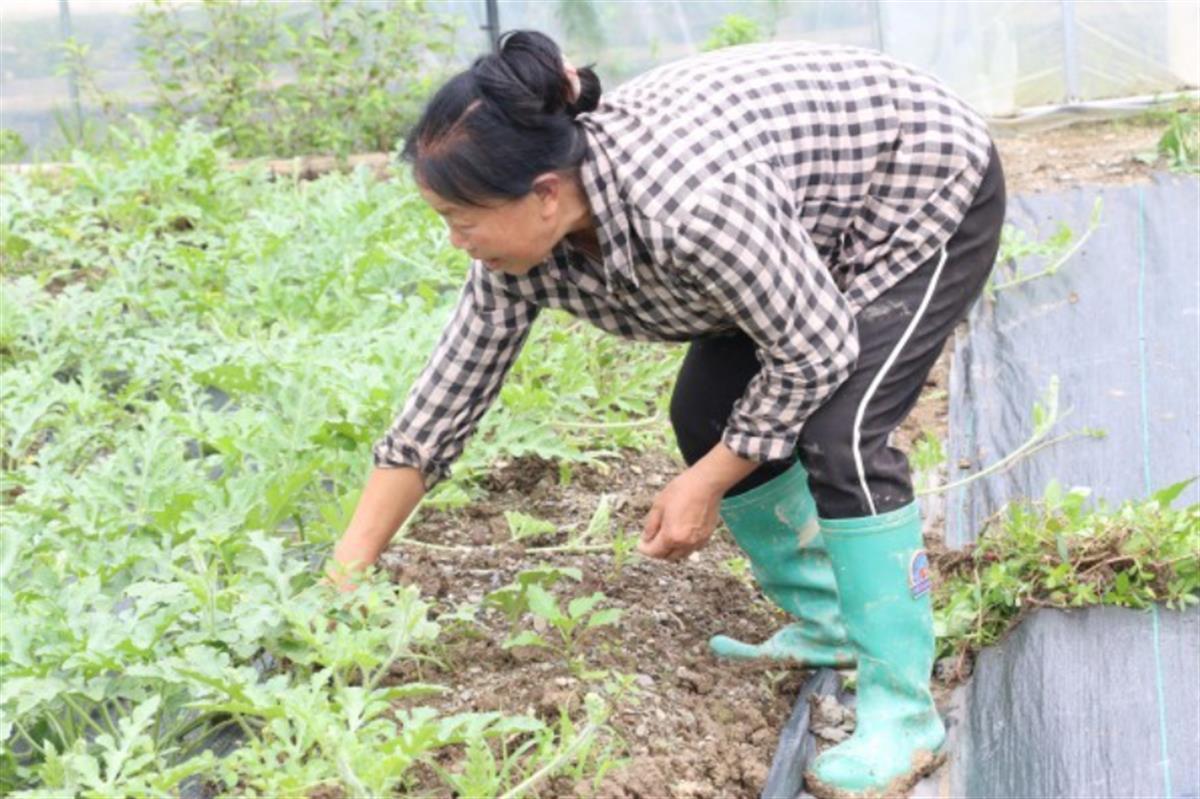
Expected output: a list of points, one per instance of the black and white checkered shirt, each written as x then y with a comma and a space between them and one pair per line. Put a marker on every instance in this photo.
778, 188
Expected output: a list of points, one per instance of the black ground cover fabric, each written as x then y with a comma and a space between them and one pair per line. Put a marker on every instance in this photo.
1103, 702
1118, 325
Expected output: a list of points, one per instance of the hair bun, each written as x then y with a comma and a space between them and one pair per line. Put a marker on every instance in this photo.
589, 92
527, 79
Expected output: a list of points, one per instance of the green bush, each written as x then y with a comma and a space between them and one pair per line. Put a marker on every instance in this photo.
12, 146
733, 29
282, 79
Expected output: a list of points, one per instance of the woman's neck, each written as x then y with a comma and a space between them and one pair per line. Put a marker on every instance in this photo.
580, 222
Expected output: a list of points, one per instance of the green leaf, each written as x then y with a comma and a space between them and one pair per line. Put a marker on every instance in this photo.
541, 603
524, 638
522, 526
604, 617
1166, 496
580, 606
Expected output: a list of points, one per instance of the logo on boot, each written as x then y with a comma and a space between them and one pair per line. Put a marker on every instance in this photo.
919, 578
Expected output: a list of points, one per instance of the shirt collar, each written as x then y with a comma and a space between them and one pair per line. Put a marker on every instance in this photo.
599, 177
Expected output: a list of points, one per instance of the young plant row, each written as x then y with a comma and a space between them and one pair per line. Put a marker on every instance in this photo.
195, 362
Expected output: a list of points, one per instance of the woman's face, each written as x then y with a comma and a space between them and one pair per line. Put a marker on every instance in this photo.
510, 236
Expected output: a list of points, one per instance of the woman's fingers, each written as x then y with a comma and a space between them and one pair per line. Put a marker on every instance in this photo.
652, 524
654, 541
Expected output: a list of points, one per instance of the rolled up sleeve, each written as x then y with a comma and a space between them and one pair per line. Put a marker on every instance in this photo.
462, 378
741, 241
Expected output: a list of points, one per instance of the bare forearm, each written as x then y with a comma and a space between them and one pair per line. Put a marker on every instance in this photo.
722, 469
388, 499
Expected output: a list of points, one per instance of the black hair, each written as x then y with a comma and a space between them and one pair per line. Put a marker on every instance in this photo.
491, 129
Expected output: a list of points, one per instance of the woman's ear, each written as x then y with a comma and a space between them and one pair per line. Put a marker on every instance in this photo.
547, 188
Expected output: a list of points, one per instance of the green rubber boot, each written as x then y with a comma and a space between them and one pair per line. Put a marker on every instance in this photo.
776, 525
883, 585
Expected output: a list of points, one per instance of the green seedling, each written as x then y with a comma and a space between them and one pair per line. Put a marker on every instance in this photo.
512, 600
580, 615
623, 546
926, 458
739, 568
522, 526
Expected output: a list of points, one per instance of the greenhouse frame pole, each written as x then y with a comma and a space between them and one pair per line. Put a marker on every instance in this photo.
877, 23
493, 25
1070, 51
64, 32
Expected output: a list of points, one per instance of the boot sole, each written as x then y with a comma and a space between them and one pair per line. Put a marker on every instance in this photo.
923, 763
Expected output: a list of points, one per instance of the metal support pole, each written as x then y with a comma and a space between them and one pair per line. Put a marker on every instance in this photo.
493, 25
1070, 51
64, 31
877, 23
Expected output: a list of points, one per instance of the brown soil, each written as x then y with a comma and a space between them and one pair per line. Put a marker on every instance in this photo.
1113, 152
697, 727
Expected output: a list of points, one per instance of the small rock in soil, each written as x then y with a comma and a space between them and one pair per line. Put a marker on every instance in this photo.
831, 721
700, 683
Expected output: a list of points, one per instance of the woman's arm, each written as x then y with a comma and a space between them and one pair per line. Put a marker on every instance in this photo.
459, 382
387, 500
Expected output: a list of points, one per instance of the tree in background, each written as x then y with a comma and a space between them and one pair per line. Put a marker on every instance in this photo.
281, 79
733, 29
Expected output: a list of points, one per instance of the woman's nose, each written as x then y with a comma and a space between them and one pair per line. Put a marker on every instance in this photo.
457, 241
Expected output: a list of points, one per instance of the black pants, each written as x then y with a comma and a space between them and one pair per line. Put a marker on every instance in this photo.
848, 481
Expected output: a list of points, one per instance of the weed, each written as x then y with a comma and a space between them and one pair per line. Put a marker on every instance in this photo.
1059, 553
927, 457
1180, 142
623, 546
1054, 251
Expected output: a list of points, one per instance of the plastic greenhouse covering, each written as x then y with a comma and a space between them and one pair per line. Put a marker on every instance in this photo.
1005, 58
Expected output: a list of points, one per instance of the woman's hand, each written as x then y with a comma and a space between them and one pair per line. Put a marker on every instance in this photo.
685, 513
682, 518
388, 499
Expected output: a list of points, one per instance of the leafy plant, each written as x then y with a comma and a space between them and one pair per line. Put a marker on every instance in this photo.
1060, 553
1180, 142
281, 79
512, 600
927, 456
732, 30
12, 146
623, 546
579, 615
1055, 251
194, 362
